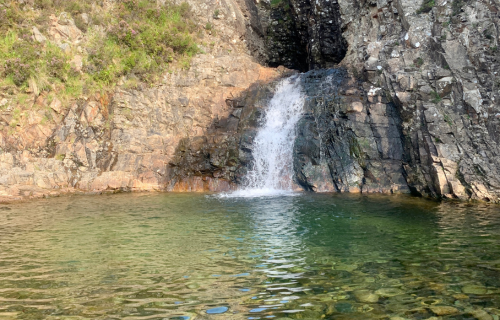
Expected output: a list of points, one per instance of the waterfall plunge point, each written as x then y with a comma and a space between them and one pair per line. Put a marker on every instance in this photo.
272, 171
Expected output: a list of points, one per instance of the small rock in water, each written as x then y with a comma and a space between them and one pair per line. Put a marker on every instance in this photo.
480, 314
346, 267
343, 307
217, 310
366, 296
389, 292
430, 301
474, 289
444, 310
193, 286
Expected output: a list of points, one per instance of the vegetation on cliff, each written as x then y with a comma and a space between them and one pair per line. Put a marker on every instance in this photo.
70, 47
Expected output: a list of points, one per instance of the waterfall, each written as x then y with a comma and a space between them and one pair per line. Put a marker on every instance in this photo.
272, 171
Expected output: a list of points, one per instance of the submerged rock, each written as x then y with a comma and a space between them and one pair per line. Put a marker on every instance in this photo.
389, 292
474, 289
444, 310
480, 314
344, 307
366, 296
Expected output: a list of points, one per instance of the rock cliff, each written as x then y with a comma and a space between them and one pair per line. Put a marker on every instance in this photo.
130, 139
410, 104
417, 109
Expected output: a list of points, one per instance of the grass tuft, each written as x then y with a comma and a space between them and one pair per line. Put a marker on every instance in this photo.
426, 6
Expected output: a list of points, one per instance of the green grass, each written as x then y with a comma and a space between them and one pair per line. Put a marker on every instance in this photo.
419, 62
426, 6
436, 98
142, 41
448, 120
275, 3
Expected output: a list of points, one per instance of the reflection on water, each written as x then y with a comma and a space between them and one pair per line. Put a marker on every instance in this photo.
178, 256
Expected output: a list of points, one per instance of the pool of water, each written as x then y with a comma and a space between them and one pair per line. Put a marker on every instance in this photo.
187, 256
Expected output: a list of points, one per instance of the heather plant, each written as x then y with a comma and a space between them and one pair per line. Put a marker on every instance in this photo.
18, 71
56, 63
24, 60
19, 57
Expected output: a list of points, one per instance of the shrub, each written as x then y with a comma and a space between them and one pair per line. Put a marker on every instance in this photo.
18, 71
10, 17
20, 58
24, 59
56, 63
184, 9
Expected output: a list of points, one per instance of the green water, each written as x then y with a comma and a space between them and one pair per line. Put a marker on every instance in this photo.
177, 256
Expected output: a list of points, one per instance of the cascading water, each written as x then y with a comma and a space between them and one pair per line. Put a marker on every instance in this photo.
272, 170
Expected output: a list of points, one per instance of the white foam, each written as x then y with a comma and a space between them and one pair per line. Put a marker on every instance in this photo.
258, 193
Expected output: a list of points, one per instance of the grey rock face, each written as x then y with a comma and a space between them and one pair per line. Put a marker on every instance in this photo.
426, 116
345, 143
298, 34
